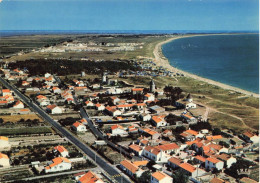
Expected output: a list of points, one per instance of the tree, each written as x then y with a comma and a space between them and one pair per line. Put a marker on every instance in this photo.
179, 176
145, 177
172, 94
216, 131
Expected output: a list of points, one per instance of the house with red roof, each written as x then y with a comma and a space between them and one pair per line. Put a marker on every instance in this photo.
130, 168
158, 121
149, 97
54, 109
118, 130
56, 90
155, 154
249, 136
112, 111
58, 164
25, 83
90, 177
174, 162
4, 143
169, 148
6, 92
61, 150
137, 90
160, 177
4, 160
18, 105
136, 149
79, 127
212, 163
191, 170
100, 107
89, 103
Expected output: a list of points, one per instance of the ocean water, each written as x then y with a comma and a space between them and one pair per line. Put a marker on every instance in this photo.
7, 33
229, 59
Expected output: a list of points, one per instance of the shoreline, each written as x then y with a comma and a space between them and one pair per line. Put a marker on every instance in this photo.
161, 60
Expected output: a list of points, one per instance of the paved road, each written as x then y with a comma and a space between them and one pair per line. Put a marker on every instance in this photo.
98, 133
87, 150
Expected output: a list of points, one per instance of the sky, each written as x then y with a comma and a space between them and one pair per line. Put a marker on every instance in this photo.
229, 15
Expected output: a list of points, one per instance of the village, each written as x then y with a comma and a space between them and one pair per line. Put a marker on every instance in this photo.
127, 125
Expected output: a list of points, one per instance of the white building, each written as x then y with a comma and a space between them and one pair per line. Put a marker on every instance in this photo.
58, 164
4, 160
118, 130
160, 177
61, 150
158, 121
79, 127
4, 144
191, 170
130, 168
214, 163
149, 97
18, 105
54, 109
100, 107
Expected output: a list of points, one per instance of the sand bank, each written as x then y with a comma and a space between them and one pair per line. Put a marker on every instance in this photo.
160, 60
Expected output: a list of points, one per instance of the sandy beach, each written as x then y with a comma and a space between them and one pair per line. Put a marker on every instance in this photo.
160, 60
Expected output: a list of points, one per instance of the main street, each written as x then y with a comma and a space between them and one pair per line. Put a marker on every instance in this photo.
106, 166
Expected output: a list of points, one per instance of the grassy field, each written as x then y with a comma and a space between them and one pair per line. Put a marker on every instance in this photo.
16, 118
24, 131
12, 45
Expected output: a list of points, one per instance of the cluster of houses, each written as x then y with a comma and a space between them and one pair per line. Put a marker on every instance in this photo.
199, 154
195, 152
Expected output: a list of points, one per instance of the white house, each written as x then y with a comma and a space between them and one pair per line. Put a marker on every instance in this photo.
136, 149
214, 163
113, 111
251, 136
46, 75
100, 107
158, 121
61, 150
155, 154
4, 160
56, 90
160, 177
6, 92
174, 162
58, 164
130, 168
79, 127
118, 130
54, 109
89, 103
149, 97
4, 144
227, 159
191, 170
145, 117
89, 177
18, 105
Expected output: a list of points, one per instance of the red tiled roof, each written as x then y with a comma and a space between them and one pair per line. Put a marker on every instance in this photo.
130, 166
188, 167
175, 161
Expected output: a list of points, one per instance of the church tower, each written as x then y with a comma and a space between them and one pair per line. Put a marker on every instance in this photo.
152, 86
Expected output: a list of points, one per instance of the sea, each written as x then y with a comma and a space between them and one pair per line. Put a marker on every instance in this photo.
229, 59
